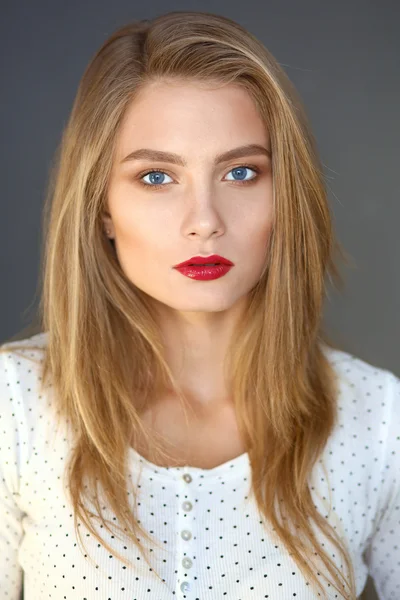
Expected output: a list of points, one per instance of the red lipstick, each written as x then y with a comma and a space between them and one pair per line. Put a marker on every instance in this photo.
205, 267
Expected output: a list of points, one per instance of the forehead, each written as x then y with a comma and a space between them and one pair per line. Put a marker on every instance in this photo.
169, 114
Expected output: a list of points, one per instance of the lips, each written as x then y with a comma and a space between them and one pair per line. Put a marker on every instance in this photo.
204, 260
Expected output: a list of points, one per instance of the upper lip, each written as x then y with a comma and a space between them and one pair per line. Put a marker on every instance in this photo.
201, 260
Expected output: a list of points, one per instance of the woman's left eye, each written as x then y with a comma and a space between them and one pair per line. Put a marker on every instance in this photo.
156, 181
240, 171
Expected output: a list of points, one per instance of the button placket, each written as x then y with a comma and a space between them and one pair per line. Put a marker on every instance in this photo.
185, 535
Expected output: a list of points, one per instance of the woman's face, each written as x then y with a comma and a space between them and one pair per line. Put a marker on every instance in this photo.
200, 207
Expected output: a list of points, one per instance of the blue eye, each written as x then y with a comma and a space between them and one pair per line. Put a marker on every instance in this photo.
157, 176
240, 171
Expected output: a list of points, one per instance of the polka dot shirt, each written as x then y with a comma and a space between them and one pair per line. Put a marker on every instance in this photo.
214, 543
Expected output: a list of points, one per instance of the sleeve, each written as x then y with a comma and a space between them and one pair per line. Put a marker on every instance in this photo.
11, 531
383, 552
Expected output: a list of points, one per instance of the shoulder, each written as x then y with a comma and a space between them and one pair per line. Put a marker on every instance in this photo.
368, 411
26, 346
369, 415
358, 377
19, 359
20, 398
368, 394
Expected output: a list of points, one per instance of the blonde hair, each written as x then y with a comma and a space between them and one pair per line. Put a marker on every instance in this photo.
284, 388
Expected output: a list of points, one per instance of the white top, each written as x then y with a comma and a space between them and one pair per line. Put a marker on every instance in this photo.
214, 543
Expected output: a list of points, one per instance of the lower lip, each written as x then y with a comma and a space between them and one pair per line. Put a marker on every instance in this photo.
205, 273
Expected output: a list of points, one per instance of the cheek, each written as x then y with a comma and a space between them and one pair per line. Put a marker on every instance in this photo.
258, 247
134, 229
266, 233
140, 232
139, 246
266, 222
256, 228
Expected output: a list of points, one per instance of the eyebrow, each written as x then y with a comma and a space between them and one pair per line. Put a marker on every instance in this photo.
170, 157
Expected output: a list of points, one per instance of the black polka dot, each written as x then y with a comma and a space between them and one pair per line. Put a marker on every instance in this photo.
212, 536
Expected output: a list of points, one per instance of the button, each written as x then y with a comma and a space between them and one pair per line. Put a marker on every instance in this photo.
187, 506
186, 562
185, 586
186, 535
187, 477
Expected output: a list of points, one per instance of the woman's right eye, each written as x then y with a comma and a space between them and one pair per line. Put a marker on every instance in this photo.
156, 179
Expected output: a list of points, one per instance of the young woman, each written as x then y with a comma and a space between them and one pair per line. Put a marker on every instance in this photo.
189, 431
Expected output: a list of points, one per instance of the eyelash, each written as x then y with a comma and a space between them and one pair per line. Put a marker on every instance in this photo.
160, 185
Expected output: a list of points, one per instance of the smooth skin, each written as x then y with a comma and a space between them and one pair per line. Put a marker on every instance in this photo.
199, 208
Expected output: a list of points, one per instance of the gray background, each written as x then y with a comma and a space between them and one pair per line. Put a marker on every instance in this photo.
343, 57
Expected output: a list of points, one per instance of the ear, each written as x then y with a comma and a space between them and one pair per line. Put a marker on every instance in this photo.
108, 226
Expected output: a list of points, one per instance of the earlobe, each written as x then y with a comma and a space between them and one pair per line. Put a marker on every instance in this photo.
108, 227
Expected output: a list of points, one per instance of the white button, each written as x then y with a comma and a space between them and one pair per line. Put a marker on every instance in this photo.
187, 477
186, 535
187, 506
185, 586
186, 562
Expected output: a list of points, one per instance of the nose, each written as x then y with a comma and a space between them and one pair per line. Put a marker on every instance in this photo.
203, 215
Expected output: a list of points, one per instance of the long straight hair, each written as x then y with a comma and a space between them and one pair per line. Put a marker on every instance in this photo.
283, 386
